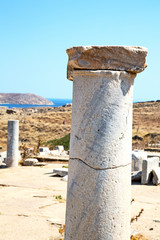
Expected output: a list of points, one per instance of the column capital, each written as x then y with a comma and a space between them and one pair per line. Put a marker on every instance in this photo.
118, 58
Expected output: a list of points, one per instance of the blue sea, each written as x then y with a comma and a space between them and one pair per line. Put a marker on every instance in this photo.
56, 103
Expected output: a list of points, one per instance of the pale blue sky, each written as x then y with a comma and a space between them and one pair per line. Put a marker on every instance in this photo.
34, 36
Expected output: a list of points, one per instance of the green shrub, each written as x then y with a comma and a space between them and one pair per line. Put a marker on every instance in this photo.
61, 141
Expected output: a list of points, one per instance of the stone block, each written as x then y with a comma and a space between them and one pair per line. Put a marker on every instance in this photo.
137, 160
147, 167
61, 171
119, 58
30, 162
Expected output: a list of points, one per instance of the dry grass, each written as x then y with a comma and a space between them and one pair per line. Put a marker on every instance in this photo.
138, 237
146, 118
34, 124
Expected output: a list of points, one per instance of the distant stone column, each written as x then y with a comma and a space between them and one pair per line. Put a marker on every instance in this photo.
12, 143
99, 184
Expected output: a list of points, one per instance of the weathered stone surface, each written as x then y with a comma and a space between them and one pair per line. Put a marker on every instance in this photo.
100, 154
147, 167
119, 58
96, 207
101, 118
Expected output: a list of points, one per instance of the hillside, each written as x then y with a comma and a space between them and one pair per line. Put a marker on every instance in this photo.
23, 98
48, 123
36, 124
146, 119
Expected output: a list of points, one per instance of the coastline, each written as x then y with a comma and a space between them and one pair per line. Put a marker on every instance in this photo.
56, 103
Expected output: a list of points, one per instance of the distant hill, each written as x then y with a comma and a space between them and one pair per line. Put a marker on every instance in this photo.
23, 98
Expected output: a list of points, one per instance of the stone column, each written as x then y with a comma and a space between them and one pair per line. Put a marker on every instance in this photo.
99, 184
12, 143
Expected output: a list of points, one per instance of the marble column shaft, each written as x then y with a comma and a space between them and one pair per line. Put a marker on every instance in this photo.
99, 183
12, 143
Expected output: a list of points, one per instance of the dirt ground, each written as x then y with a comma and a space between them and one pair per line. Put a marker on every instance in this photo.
146, 197
31, 208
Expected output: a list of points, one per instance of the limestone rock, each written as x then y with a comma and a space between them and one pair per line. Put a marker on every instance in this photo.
120, 58
30, 162
147, 167
137, 159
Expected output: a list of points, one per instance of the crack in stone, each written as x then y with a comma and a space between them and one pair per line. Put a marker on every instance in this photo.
77, 137
99, 168
106, 69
